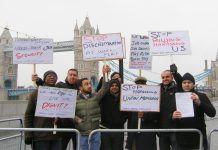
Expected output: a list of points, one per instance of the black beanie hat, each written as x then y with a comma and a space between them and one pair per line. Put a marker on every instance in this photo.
114, 81
140, 79
49, 72
188, 76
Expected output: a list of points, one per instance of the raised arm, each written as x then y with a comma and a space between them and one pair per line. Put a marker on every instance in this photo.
177, 77
37, 79
105, 84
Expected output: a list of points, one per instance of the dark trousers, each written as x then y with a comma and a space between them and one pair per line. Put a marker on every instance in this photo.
167, 141
47, 145
66, 139
145, 141
112, 141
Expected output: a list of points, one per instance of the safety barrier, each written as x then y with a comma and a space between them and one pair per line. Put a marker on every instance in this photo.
14, 136
150, 130
45, 130
209, 137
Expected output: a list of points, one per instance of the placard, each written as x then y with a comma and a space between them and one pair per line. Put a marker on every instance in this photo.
140, 53
32, 51
102, 47
135, 97
56, 102
169, 42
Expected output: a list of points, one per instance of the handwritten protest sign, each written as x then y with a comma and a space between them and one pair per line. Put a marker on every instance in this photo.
102, 47
32, 51
56, 102
139, 53
169, 42
135, 97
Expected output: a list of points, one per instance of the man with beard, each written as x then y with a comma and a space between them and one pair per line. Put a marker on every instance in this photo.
88, 112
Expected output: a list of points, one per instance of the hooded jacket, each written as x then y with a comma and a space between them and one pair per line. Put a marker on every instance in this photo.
111, 116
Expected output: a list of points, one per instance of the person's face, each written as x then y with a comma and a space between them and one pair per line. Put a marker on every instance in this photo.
166, 77
86, 87
72, 77
50, 79
117, 76
187, 85
114, 88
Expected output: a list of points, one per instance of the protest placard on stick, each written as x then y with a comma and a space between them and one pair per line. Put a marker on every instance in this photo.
102, 47
56, 102
144, 98
169, 42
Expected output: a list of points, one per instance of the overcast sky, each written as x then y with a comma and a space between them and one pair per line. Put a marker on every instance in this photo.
56, 19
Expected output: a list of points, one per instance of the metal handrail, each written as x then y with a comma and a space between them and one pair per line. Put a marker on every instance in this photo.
209, 137
150, 130
12, 119
21, 126
46, 130
10, 137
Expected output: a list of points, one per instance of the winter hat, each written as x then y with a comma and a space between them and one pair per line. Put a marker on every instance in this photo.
188, 76
143, 80
49, 72
114, 81
114, 74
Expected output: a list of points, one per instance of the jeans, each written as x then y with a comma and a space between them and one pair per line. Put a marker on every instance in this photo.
47, 145
95, 142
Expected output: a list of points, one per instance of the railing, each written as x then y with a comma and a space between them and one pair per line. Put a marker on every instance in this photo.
150, 130
16, 135
45, 130
209, 137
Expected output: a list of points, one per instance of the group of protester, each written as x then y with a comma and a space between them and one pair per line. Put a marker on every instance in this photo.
101, 109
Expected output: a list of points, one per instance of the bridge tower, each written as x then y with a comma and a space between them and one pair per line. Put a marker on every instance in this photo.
8, 70
89, 69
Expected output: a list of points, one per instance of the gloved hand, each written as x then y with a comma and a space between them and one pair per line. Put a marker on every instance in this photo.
28, 140
173, 68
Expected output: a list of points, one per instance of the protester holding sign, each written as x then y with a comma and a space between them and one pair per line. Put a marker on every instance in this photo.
202, 105
143, 140
88, 112
41, 140
167, 107
70, 83
112, 117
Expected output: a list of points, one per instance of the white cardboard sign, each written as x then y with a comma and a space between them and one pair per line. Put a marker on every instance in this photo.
102, 47
135, 97
32, 51
169, 42
140, 53
56, 102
